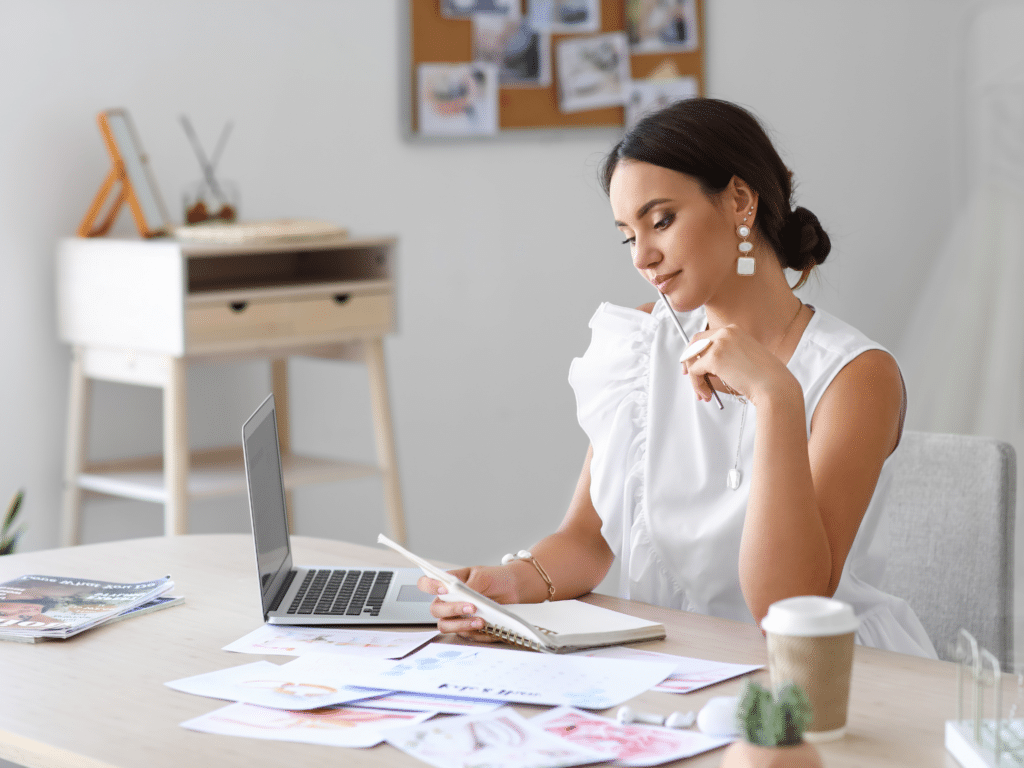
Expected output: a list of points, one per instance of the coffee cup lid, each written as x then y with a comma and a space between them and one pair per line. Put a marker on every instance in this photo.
810, 616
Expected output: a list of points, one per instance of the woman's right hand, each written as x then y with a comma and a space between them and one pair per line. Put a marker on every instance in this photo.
496, 582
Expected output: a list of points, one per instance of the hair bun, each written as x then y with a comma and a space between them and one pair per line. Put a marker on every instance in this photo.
804, 243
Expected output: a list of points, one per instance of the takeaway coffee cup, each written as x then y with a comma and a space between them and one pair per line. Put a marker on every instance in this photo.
810, 643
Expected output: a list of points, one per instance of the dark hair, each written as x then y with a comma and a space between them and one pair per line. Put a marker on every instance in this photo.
712, 141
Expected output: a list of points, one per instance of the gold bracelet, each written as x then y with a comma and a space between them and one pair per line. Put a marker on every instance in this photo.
525, 555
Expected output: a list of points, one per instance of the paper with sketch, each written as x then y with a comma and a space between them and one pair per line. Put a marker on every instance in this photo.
689, 674
344, 726
425, 702
296, 641
631, 745
269, 685
508, 675
501, 739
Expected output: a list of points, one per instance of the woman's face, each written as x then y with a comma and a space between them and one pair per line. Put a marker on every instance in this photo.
681, 240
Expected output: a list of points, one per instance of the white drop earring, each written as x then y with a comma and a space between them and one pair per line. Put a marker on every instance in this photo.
745, 262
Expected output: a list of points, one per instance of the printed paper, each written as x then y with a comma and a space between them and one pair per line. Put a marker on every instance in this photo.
425, 702
269, 685
502, 739
689, 674
630, 745
657, 26
646, 96
593, 71
458, 99
566, 16
510, 675
298, 641
344, 726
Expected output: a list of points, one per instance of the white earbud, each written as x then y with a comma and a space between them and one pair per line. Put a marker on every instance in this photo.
680, 719
628, 715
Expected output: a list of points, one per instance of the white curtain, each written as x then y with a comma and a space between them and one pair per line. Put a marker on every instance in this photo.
962, 354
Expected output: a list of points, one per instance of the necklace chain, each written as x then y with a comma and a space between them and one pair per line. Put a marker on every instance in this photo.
785, 333
736, 474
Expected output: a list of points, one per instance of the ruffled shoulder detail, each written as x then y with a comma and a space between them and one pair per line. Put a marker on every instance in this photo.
611, 382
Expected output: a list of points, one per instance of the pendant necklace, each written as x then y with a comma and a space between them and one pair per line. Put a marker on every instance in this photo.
735, 476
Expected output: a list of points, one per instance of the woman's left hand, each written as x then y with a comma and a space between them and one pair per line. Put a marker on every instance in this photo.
742, 364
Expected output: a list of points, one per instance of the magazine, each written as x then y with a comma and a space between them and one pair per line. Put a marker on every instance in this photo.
35, 606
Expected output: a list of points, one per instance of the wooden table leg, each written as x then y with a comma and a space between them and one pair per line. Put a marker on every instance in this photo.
176, 455
279, 386
386, 455
75, 450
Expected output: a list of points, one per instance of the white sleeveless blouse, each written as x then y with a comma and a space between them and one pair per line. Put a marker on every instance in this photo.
661, 458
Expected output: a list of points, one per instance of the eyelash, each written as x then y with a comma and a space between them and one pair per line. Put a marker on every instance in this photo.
659, 224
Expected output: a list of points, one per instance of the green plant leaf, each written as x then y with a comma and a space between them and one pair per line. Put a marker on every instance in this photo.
8, 538
12, 511
771, 721
9, 543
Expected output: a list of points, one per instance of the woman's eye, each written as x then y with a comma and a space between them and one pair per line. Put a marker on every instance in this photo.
663, 222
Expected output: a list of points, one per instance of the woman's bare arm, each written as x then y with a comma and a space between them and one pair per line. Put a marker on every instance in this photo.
575, 557
808, 497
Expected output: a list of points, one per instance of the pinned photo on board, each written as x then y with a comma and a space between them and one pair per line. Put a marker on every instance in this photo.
656, 26
458, 99
462, 9
521, 52
593, 72
647, 96
566, 16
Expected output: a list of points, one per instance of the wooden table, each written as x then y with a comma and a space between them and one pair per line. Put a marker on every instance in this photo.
99, 700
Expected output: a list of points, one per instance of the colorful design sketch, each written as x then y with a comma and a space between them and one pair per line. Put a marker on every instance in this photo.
689, 674
501, 739
268, 685
333, 726
296, 641
511, 675
423, 702
630, 745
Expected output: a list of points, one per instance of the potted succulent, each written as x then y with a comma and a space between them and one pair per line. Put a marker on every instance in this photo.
772, 729
8, 534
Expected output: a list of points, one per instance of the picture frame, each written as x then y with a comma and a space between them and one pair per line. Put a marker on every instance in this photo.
131, 177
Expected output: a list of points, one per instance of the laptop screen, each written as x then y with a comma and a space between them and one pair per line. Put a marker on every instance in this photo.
266, 499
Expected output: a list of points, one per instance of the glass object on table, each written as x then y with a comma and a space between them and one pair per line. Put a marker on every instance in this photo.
200, 203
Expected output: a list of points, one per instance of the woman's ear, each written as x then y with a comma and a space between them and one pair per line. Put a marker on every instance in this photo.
741, 200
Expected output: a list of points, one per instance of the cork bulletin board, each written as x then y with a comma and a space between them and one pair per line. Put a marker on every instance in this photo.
439, 37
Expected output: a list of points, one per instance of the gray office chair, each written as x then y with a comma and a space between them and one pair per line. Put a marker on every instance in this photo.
951, 514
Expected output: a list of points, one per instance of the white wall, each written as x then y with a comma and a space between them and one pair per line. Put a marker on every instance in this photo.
506, 246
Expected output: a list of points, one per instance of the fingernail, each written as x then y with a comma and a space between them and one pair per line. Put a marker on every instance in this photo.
478, 623
467, 608
442, 591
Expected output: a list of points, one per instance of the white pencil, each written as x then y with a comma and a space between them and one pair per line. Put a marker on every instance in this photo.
686, 338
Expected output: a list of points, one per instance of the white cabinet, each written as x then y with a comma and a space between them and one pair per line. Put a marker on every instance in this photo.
138, 311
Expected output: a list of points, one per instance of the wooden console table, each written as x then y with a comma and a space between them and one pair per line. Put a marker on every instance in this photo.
139, 311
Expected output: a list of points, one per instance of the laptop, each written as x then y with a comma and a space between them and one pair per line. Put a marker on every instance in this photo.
306, 595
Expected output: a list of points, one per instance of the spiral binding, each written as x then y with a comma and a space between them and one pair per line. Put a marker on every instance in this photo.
512, 637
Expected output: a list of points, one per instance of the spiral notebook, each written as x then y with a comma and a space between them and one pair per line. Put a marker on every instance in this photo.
563, 626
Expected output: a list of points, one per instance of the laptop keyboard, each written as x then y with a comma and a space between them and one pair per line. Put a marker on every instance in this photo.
327, 592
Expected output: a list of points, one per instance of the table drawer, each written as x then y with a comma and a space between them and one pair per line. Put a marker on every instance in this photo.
286, 319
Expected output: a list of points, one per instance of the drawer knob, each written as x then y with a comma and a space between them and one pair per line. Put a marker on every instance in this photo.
238, 306
341, 298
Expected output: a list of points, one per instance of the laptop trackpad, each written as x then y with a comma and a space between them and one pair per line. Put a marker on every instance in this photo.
409, 593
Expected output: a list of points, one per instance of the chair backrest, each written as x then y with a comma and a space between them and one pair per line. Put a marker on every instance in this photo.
951, 513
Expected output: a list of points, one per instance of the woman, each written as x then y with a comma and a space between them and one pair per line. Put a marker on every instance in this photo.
778, 494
